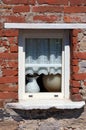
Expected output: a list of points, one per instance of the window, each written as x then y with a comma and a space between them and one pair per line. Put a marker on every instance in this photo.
59, 34
44, 64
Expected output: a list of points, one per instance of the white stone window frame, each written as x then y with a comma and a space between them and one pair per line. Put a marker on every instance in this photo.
64, 103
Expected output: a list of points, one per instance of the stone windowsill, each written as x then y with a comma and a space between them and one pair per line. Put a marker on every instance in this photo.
46, 104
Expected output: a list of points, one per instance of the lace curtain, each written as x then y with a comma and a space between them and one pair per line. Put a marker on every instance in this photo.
39, 52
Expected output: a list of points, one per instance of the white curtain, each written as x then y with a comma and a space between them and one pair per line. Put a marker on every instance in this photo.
43, 51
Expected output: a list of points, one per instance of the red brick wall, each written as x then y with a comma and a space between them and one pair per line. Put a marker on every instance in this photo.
75, 83
78, 65
27, 11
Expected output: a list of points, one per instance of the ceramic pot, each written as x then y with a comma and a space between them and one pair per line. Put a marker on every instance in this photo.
32, 86
52, 83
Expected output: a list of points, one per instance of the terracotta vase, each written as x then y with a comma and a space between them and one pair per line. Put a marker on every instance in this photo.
52, 83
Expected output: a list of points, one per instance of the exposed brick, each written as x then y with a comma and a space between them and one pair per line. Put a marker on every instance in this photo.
67, 19
70, 19
74, 48
47, 18
8, 33
4, 43
1, 25
2, 63
9, 72
15, 1
12, 64
80, 55
76, 97
4, 12
42, 9
75, 69
8, 95
81, 76
9, 56
75, 9
75, 84
14, 48
7, 88
18, 9
74, 40
1, 103
9, 79
75, 32
15, 19
77, 2
12, 40
31, 2
74, 90
5, 6
55, 2
74, 62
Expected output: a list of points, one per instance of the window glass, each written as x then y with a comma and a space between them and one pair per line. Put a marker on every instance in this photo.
43, 64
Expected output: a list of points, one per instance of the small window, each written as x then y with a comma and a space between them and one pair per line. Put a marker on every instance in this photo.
42, 62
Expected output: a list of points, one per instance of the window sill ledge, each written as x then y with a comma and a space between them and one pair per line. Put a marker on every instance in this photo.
46, 104
45, 25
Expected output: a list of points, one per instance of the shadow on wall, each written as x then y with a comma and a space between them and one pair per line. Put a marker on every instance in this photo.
45, 114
